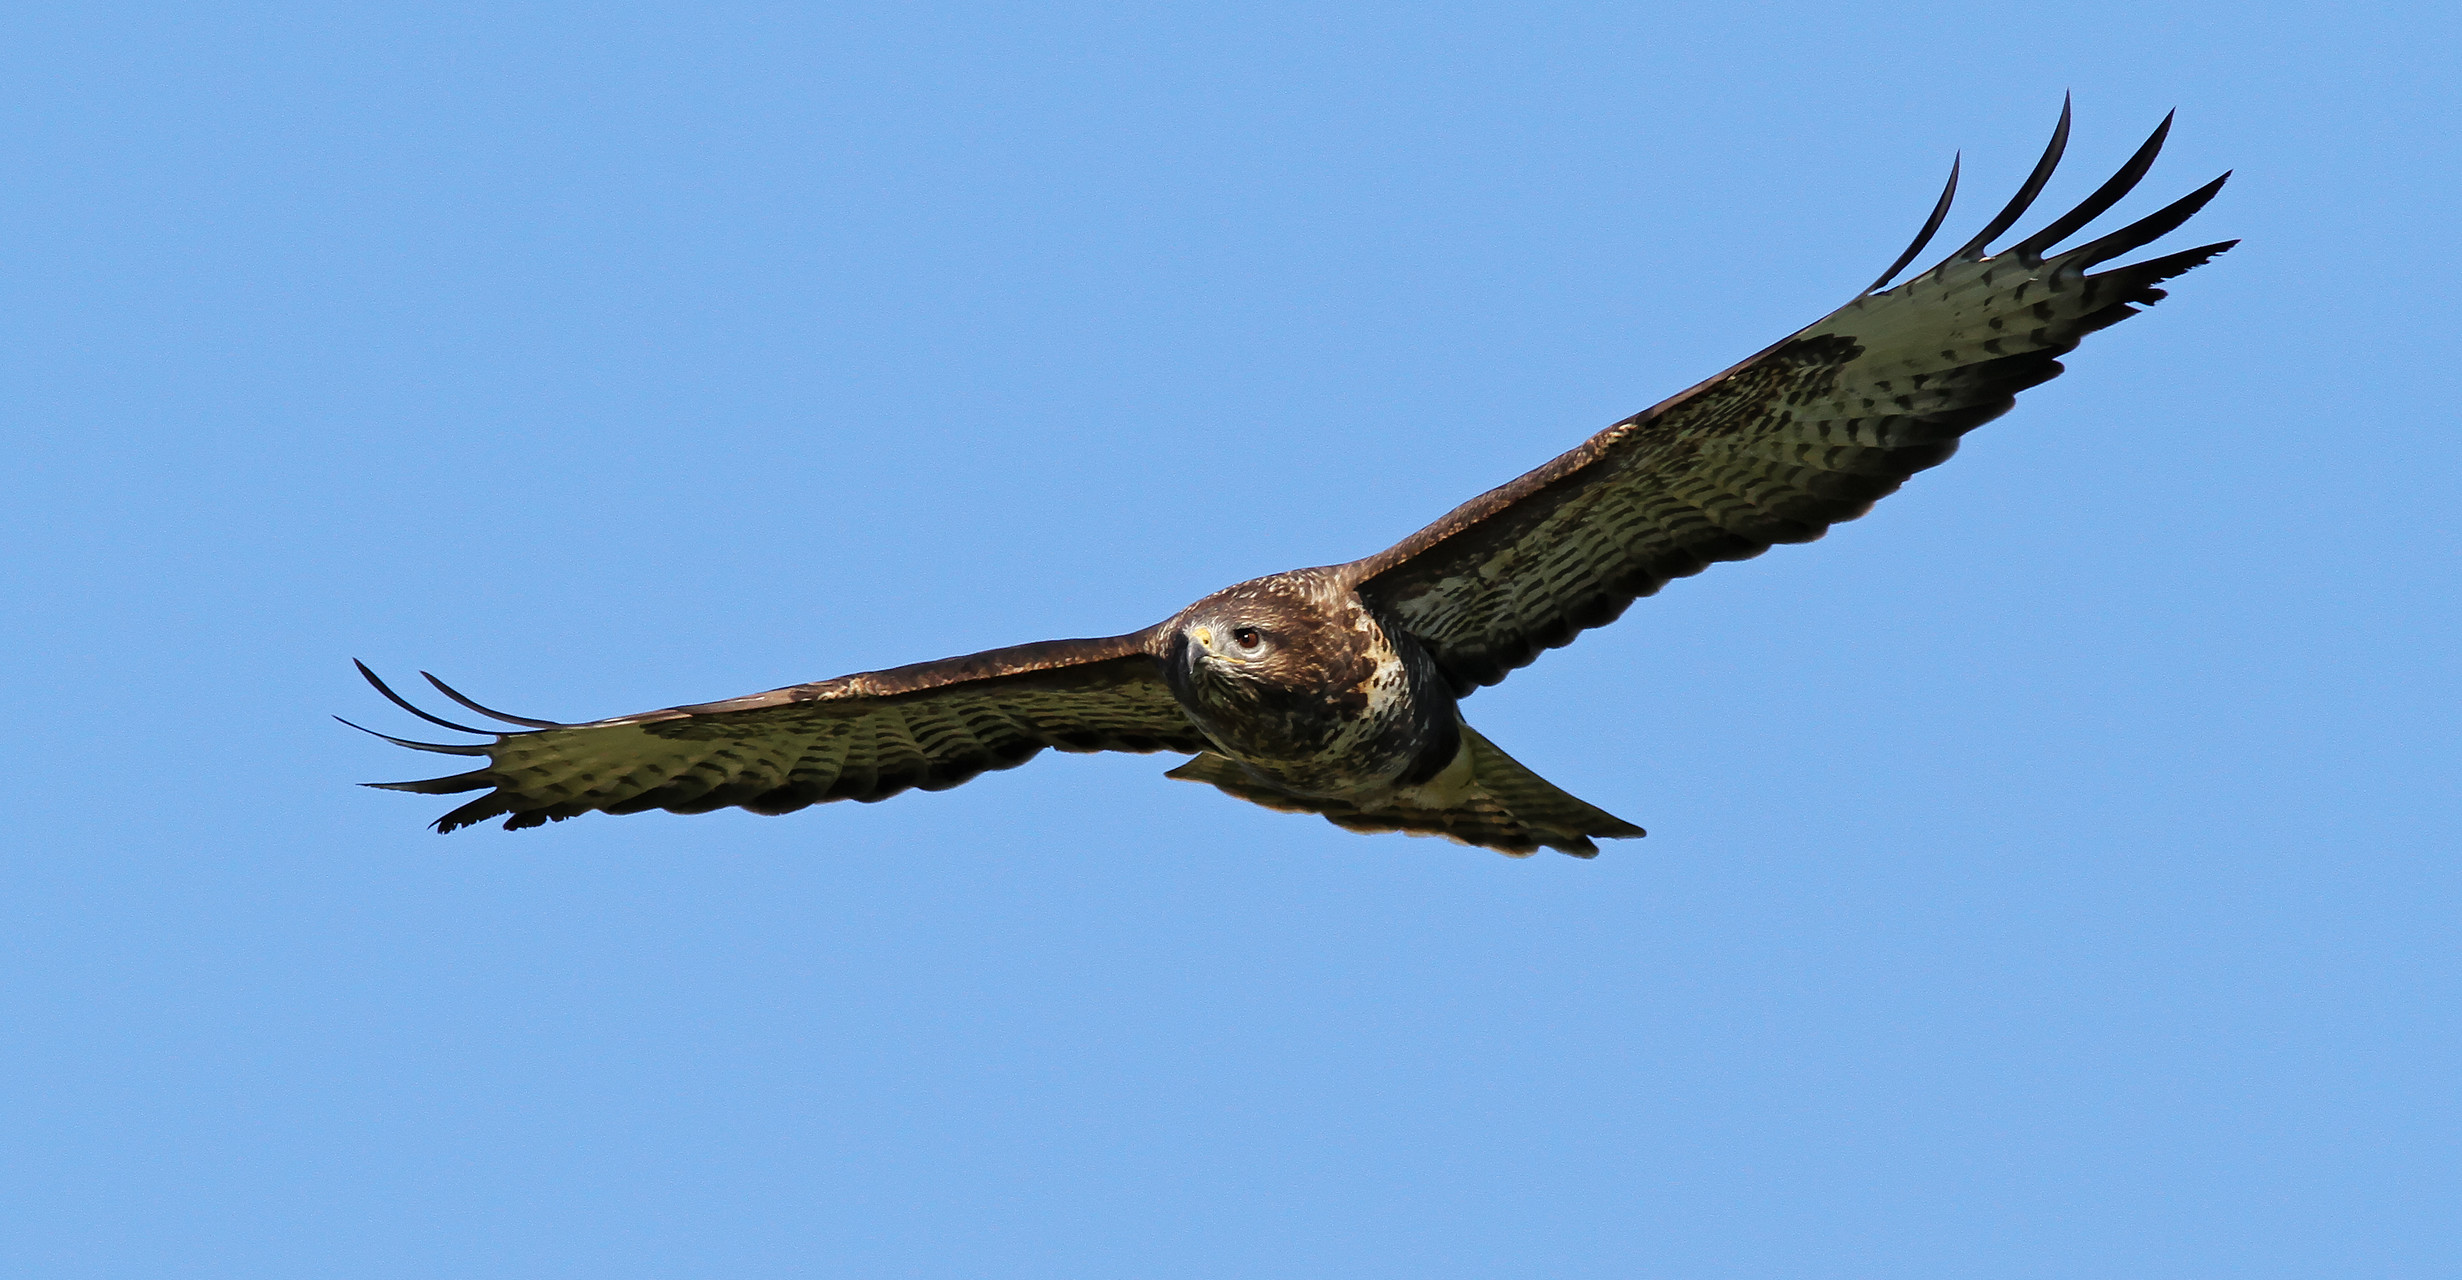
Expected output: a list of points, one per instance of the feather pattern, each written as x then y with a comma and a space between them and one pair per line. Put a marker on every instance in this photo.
861, 737
1808, 433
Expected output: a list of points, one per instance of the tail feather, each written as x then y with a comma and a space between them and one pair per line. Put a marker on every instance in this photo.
1484, 798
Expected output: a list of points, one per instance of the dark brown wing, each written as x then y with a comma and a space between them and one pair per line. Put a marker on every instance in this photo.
1777, 449
861, 737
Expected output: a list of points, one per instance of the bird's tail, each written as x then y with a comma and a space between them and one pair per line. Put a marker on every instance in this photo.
1484, 798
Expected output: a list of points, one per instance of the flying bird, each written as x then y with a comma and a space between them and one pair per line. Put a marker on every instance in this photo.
1337, 690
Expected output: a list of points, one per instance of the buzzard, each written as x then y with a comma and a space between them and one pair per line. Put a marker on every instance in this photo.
1337, 690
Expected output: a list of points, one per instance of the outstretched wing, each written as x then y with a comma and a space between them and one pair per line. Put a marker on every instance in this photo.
1807, 433
860, 737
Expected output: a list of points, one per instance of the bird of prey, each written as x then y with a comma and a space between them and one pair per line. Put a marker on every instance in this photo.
1337, 690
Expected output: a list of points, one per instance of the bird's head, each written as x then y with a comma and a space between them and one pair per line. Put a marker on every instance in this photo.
1286, 632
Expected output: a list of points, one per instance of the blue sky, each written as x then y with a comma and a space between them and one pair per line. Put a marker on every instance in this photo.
2050, 875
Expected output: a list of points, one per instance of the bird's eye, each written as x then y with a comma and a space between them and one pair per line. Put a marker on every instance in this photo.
1246, 637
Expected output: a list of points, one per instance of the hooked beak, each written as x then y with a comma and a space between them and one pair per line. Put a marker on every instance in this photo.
1198, 651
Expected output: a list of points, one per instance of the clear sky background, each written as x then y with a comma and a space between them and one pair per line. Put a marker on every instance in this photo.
2053, 874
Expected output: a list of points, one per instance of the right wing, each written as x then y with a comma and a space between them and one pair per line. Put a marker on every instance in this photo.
861, 737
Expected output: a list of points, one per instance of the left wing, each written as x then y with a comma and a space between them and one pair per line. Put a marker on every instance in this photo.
1808, 433
862, 737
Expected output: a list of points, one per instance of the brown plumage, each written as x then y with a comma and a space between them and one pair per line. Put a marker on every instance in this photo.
1333, 690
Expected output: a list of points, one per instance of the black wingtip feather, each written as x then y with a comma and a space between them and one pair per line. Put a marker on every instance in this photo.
2154, 270
453, 785
2025, 197
1931, 226
455, 694
440, 748
405, 704
2145, 230
473, 813
2030, 250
